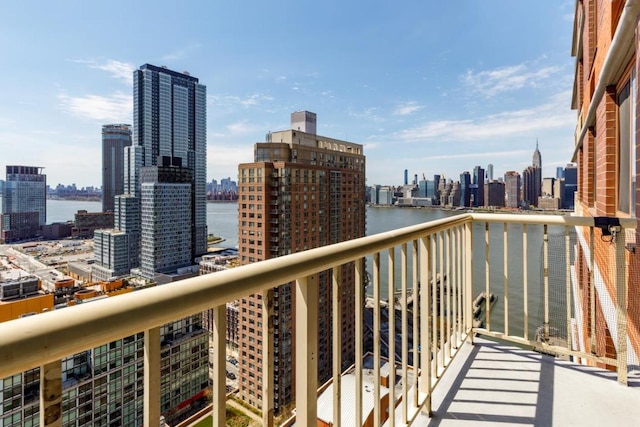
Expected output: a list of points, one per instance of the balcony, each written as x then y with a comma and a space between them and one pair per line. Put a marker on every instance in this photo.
474, 360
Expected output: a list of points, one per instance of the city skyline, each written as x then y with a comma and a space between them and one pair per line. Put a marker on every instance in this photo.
444, 84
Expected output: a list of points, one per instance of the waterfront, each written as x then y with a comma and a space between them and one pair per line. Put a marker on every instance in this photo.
222, 220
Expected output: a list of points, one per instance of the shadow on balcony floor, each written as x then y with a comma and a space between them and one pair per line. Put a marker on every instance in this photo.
492, 383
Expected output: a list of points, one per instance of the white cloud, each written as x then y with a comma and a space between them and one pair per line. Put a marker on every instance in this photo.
117, 69
235, 129
115, 108
552, 115
370, 113
489, 83
406, 108
247, 101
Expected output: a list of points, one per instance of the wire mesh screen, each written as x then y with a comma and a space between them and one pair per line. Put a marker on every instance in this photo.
555, 301
633, 301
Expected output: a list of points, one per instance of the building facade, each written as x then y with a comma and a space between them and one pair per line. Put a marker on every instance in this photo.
605, 95
86, 223
104, 385
115, 137
162, 208
494, 193
24, 203
465, 189
570, 175
303, 191
169, 125
478, 180
512, 189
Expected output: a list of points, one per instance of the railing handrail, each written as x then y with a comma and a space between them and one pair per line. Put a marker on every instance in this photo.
562, 220
34, 341
37, 340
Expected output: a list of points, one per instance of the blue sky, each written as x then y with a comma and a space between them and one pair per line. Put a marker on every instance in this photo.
428, 86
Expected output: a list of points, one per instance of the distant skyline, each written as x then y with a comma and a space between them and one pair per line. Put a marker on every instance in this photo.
432, 87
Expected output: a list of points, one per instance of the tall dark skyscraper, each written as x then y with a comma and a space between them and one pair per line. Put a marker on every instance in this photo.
162, 209
478, 179
169, 125
570, 174
465, 189
114, 140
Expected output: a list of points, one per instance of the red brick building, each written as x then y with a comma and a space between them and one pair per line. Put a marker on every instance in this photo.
606, 38
303, 191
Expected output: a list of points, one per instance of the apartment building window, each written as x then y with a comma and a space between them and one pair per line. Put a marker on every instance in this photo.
626, 147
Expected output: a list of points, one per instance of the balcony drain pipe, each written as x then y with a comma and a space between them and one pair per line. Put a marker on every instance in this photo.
619, 53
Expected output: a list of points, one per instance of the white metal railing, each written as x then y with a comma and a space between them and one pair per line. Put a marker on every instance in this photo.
430, 265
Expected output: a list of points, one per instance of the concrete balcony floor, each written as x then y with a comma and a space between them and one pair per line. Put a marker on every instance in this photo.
492, 383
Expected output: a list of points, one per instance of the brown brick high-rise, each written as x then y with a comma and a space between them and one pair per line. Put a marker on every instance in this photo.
303, 191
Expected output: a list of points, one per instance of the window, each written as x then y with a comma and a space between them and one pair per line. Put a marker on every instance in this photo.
626, 147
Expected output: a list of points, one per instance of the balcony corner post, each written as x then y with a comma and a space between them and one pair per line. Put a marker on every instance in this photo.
621, 306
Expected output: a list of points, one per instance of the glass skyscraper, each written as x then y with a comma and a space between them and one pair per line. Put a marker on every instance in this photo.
169, 133
114, 140
24, 203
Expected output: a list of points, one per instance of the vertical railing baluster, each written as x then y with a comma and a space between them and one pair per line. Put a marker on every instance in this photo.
337, 346
377, 419
447, 292
306, 354
592, 290
391, 314
460, 287
567, 255
525, 281
51, 394
405, 332
468, 278
417, 339
220, 365
545, 249
505, 251
620, 267
152, 377
426, 349
487, 277
268, 357
359, 310
455, 280
433, 286
441, 297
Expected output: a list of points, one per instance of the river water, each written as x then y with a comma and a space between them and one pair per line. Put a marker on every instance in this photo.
222, 220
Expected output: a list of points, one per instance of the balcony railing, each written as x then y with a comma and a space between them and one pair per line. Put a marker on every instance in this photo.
432, 266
